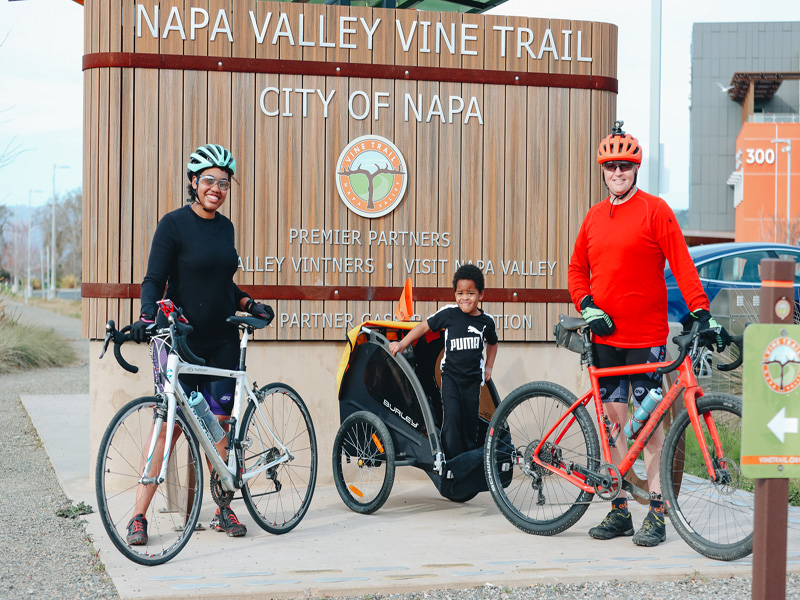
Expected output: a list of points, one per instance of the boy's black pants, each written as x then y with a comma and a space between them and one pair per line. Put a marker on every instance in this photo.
460, 406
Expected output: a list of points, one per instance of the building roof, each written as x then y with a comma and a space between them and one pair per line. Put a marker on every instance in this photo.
764, 84
463, 6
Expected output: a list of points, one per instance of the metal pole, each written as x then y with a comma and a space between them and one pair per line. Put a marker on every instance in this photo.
654, 152
788, 150
788, 181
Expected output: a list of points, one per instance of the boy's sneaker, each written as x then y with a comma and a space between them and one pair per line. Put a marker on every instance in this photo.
614, 525
226, 521
652, 532
137, 531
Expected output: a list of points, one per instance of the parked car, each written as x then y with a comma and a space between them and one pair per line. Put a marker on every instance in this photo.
729, 265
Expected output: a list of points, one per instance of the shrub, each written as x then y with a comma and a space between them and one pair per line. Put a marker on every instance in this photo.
69, 282
29, 347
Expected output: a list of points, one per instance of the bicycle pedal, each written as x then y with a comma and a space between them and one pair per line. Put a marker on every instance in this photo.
198, 527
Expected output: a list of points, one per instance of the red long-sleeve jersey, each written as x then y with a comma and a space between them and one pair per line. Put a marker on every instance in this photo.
619, 260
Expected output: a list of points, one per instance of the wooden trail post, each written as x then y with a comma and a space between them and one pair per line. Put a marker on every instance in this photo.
771, 505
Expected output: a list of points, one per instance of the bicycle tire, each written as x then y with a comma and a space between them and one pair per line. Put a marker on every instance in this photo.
278, 498
175, 507
715, 519
363, 462
537, 501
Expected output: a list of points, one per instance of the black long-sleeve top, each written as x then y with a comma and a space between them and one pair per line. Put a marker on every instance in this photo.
195, 259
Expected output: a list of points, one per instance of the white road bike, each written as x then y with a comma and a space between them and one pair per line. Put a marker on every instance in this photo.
151, 447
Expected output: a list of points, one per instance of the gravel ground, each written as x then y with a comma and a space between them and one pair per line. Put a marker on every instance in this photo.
699, 588
44, 556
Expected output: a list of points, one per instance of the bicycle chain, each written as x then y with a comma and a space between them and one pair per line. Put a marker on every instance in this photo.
527, 455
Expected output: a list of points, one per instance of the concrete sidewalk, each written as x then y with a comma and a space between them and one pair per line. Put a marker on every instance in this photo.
416, 541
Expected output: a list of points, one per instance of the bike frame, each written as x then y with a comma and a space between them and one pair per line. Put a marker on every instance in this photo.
685, 382
175, 396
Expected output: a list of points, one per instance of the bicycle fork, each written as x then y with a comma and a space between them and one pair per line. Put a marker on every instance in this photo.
716, 466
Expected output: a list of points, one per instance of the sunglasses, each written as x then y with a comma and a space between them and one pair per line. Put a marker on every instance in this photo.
211, 181
612, 166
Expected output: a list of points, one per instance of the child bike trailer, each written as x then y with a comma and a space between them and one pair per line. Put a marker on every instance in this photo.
390, 409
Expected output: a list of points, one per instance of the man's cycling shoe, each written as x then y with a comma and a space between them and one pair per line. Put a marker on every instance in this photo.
137, 531
652, 532
226, 521
614, 525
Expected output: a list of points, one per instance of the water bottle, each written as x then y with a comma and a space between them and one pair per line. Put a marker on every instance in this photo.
209, 420
639, 418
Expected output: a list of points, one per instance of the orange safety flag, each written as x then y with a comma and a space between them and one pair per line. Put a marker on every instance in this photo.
404, 309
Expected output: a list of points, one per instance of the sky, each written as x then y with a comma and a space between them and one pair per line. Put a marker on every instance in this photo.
41, 91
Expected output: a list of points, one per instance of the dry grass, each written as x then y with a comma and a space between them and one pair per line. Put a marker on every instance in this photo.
27, 347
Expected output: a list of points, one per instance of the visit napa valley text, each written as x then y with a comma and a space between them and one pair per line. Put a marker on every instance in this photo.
309, 238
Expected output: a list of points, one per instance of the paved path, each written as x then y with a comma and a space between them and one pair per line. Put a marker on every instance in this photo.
417, 541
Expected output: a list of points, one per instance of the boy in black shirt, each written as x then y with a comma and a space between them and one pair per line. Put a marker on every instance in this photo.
466, 330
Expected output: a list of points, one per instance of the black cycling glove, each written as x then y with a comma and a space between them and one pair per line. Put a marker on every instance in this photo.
707, 321
597, 320
140, 328
257, 309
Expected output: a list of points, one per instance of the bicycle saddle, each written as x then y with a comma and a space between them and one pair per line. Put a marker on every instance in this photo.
255, 322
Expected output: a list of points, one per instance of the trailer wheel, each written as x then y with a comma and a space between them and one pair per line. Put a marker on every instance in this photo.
363, 462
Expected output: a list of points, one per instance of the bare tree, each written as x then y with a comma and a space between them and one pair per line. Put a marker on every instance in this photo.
12, 149
5, 247
370, 179
69, 222
773, 229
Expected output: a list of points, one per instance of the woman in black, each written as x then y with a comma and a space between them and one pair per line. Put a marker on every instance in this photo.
194, 257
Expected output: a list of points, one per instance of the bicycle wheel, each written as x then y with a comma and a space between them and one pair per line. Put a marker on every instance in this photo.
535, 500
175, 505
278, 498
363, 462
713, 517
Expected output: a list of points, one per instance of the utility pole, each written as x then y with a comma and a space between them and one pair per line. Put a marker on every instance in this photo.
52, 288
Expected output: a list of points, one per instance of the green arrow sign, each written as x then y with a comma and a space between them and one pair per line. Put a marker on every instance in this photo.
771, 401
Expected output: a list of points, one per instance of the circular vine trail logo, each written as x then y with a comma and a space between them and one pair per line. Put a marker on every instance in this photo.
371, 176
780, 365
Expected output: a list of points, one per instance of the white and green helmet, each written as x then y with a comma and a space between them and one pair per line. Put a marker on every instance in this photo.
210, 155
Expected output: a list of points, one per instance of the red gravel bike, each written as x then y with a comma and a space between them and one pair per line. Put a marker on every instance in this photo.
558, 466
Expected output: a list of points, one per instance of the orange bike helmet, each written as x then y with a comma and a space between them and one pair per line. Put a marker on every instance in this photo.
619, 146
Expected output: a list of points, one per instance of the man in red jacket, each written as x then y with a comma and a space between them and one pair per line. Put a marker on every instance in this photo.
616, 280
